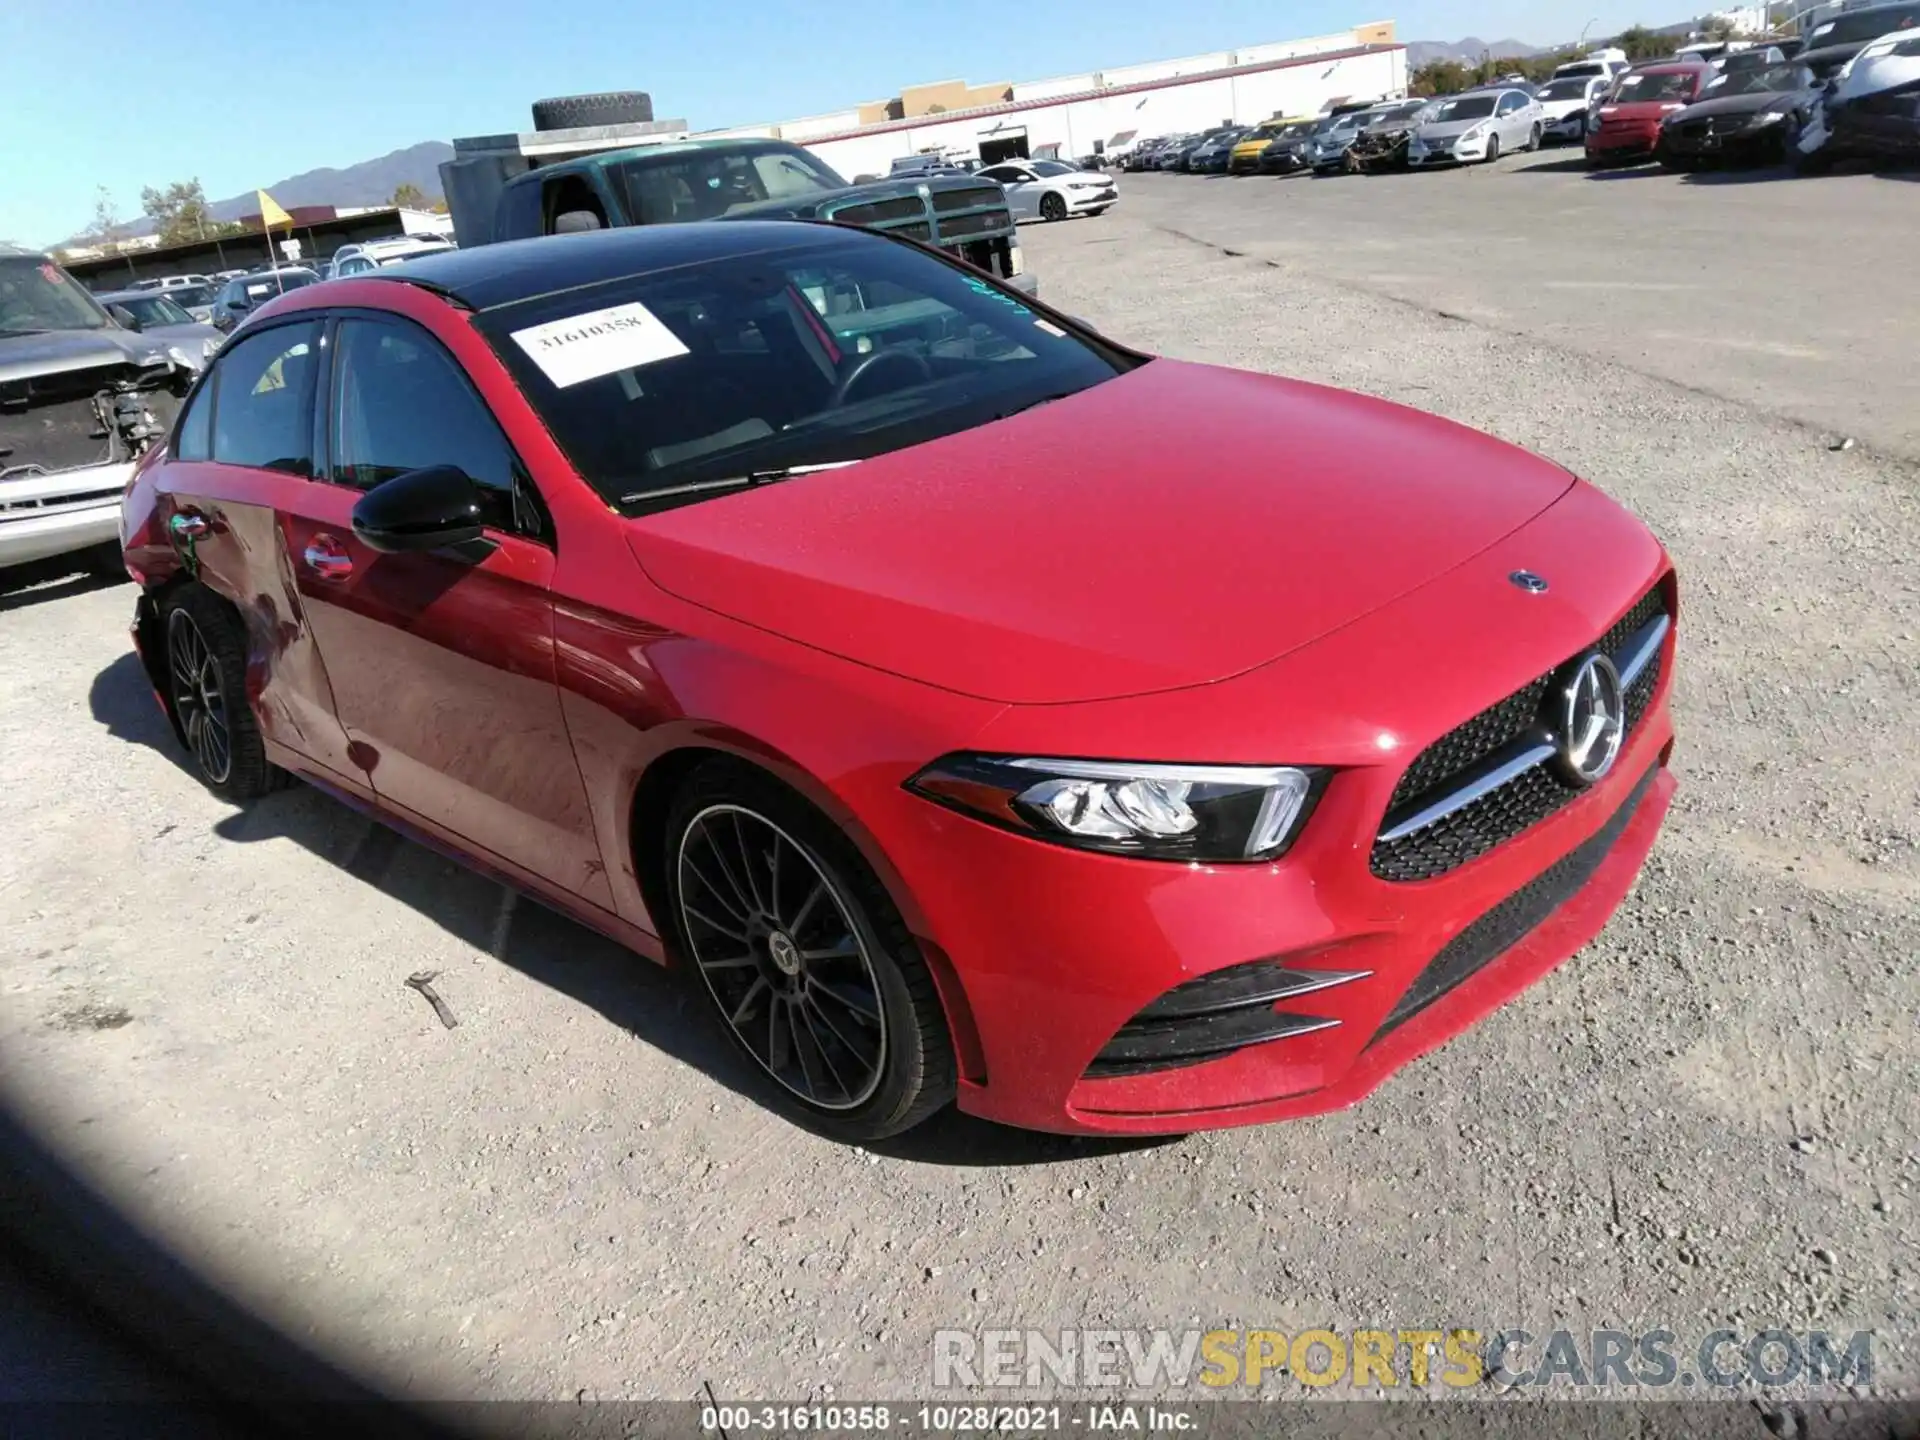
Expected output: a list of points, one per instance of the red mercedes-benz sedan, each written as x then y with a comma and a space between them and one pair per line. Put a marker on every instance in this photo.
1628, 120
980, 709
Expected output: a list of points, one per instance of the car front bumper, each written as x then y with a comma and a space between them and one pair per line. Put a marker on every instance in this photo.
60, 513
1079, 202
1045, 953
1620, 142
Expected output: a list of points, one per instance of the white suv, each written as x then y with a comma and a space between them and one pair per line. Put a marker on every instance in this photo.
371, 255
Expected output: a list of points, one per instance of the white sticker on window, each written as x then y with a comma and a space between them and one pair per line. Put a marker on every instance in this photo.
585, 347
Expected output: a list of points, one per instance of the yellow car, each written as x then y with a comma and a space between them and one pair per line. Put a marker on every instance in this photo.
1245, 159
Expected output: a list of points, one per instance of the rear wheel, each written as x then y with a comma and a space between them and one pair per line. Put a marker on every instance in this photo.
808, 965
1052, 207
1536, 139
104, 560
207, 693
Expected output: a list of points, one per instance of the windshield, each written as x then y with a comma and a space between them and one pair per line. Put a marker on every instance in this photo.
1863, 25
1344, 124
1469, 107
1644, 89
1580, 71
250, 290
151, 308
195, 294
831, 351
1400, 112
1053, 167
36, 294
1759, 82
706, 184
1575, 89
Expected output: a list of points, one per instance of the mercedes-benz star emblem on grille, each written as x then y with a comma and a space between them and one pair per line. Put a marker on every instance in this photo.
1528, 581
1593, 720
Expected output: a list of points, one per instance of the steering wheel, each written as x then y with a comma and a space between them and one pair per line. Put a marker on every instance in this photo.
866, 365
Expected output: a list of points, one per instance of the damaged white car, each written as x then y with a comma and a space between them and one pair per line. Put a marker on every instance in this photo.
1871, 110
81, 398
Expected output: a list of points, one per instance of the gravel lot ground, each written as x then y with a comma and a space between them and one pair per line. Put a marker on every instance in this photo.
1708, 1117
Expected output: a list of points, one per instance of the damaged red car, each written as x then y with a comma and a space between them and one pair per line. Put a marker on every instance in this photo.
755, 594
1626, 124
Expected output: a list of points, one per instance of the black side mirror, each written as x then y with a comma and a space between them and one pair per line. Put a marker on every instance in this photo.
425, 509
123, 317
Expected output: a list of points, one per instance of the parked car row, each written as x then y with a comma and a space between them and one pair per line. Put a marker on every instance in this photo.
1848, 89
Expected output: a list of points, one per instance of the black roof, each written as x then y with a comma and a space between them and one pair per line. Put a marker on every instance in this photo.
488, 276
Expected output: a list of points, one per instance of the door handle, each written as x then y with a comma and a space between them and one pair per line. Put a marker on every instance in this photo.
328, 558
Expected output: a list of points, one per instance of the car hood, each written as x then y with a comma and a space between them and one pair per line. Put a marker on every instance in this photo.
54, 352
1172, 527
1750, 104
1448, 129
1645, 111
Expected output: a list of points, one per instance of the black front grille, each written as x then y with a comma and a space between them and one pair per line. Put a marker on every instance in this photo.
1521, 803
954, 227
1212, 1016
974, 198
1515, 917
874, 213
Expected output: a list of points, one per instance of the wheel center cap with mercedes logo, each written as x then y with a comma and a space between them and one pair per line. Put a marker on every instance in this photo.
1592, 720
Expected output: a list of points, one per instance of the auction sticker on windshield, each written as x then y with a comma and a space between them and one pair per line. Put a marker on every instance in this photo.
600, 342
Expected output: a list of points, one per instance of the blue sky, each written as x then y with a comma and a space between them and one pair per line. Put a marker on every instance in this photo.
243, 92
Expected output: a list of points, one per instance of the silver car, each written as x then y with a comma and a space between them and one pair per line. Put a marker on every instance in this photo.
1481, 125
163, 320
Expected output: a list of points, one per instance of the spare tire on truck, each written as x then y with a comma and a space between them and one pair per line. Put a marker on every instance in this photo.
615, 107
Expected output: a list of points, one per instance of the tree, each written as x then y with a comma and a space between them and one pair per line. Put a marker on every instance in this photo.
1441, 77
106, 215
1641, 43
409, 196
179, 212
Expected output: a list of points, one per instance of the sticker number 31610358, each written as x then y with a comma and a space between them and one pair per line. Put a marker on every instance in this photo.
600, 342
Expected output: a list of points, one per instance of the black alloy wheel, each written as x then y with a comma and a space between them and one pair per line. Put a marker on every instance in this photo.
805, 958
206, 691
1052, 206
199, 700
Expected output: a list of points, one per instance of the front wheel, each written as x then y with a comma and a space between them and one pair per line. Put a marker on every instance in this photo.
1536, 139
207, 694
1493, 149
808, 965
1052, 207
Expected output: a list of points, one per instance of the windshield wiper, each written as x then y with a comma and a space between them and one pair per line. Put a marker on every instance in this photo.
26, 330
745, 481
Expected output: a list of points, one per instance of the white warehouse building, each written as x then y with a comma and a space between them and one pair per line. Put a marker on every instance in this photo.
1109, 110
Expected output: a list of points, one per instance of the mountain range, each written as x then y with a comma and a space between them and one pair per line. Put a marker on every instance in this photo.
1470, 50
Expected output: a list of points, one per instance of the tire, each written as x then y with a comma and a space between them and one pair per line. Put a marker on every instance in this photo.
1818, 163
1536, 139
207, 695
104, 560
1052, 207
868, 999
1493, 149
611, 107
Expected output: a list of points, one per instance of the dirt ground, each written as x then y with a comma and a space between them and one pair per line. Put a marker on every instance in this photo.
1706, 1118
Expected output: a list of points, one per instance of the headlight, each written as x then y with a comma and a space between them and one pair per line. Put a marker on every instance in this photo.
1159, 812
1768, 117
210, 346
180, 356
1472, 135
